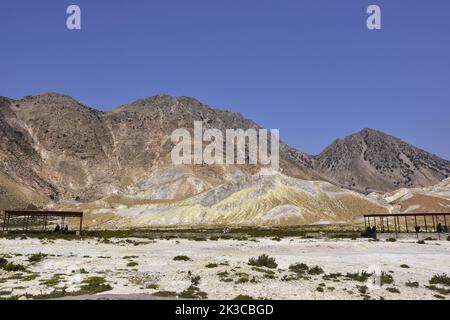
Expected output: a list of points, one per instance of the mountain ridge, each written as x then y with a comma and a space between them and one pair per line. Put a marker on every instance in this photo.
71, 152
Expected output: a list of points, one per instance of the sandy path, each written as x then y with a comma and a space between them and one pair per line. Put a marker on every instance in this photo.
156, 266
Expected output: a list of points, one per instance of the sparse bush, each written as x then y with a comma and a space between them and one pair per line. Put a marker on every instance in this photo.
316, 270
440, 279
94, 285
182, 258
11, 267
386, 278
193, 293
243, 278
359, 276
411, 284
391, 240
53, 281
195, 280
319, 289
421, 242
290, 277
299, 268
393, 290
212, 265
3, 262
440, 290
332, 276
38, 257
165, 294
362, 289
243, 297
404, 266
132, 264
263, 261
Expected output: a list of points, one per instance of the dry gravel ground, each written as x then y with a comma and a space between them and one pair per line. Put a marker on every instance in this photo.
156, 270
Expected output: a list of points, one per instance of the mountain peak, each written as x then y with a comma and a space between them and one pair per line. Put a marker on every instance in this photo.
371, 160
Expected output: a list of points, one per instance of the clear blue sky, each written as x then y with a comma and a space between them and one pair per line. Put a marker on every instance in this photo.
308, 67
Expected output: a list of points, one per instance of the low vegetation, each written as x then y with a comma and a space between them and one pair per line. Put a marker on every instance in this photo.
393, 290
193, 292
243, 297
182, 258
359, 276
411, 284
263, 261
12, 267
37, 257
211, 265
440, 279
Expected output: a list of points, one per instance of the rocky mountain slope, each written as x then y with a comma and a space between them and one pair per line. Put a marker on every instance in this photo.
428, 199
373, 161
261, 199
59, 153
62, 150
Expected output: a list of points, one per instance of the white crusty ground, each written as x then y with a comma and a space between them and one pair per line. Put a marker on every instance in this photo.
156, 265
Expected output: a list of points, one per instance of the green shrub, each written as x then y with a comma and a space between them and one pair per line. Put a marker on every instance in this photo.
411, 284
316, 270
152, 286
94, 285
195, 280
37, 257
393, 290
243, 297
391, 240
130, 257
212, 265
165, 294
359, 276
3, 263
386, 278
182, 258
263, 261
132, 264
193, 293
11, 267
362, 289
404, 266
440, 279
332, 276
440, 290
299, 268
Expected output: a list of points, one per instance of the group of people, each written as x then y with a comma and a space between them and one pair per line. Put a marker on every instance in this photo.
441, 229
61, 229
371, 230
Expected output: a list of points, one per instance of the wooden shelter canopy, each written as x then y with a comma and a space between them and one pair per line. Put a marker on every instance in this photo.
436, 222
405, 214
43, 216
67, 214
